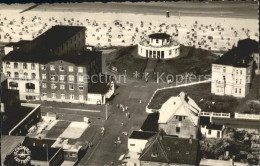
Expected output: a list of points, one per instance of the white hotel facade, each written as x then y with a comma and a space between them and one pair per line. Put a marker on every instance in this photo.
160, 46
232, 74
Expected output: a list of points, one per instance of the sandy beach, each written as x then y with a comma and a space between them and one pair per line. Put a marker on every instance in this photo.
116, 24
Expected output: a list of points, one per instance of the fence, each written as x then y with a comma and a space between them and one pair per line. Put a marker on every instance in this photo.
247, 116
214, 114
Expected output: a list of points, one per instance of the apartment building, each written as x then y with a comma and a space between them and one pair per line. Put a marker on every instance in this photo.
232, 72
22, 63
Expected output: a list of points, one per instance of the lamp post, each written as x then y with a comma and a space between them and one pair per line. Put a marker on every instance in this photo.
106, 111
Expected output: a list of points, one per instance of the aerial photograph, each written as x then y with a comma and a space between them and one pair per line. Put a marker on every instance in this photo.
127, 83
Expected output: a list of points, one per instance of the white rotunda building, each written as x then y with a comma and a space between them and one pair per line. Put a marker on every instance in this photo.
159, 45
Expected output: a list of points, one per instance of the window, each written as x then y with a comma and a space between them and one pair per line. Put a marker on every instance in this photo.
24, 66
224, 69
16, 65
25, 75
132, 144
52, 77
240, 81
237, 72
43, 76
71, 87
80, 69
81, 88
61, 68
170, 52
44, 85
80, 78
81, 97
62, 86
53, 86
236, 81
239, 90
32, 66
33, 75
72, 97
62, 96
157, 41
30, 87
7, 64
209, 132
52, 67
44, 94
61, 77
53, 95
178, 129
16, 75
43, 67
180, 118
236, 90
71, 78
241, 72
70, 68
8, 74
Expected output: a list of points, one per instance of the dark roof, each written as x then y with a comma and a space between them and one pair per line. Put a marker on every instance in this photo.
239, 56
40, 153
170, 149
14, 117
41, 48
20, 43
214, 127
204, 120
38, 142
142, 135
102, 87
151, 123
77, 58
159, 36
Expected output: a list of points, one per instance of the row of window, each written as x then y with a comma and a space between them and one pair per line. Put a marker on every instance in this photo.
25, 65
62, 77
25, 75
63, 96
62, 86
62, 68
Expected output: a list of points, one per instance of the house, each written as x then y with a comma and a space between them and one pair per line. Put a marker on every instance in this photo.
232, 72
210, 130
160, 46
138, 139
168, 150
179, 116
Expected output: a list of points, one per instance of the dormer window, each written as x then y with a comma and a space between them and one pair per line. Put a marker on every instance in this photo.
154, 154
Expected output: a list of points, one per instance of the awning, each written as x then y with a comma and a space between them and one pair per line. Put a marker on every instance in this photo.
30, 86
13, 84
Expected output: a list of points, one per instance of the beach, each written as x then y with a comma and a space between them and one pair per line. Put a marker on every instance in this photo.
124, 24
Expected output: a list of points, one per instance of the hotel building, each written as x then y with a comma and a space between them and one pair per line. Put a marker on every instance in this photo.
160, 46
232, 72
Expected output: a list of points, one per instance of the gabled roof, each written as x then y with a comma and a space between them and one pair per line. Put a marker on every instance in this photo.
170, 149
181, 105
42, 153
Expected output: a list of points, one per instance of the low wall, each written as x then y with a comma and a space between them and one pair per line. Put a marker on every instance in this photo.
247, 116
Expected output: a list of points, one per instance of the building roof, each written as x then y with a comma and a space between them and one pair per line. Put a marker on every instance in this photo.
77, 58
8, 144
159, 36
170, 149
101, 87
41, 48
40, 153
239, 56
20, 43
38, 142
142, 135
204, 120
214, 127
151, 123
181, 105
